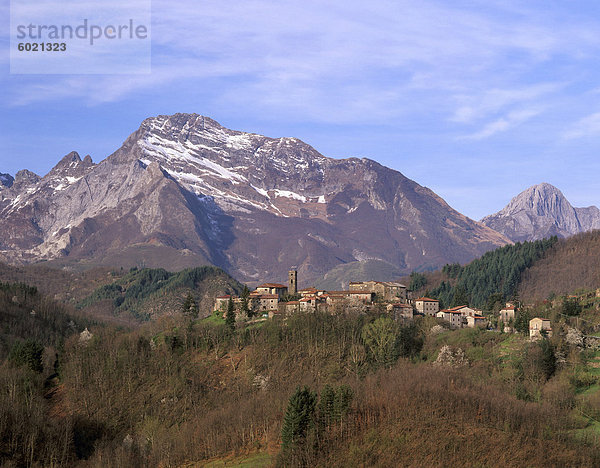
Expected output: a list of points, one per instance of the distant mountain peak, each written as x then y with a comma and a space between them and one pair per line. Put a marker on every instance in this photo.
541, 211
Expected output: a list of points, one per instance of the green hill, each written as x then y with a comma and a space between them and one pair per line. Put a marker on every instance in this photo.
145, 293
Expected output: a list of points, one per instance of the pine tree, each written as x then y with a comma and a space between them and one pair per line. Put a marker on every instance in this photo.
299, 417
343, 398
190, 307
326, 406
230, 316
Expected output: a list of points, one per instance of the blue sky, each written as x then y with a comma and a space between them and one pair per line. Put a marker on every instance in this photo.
476, 100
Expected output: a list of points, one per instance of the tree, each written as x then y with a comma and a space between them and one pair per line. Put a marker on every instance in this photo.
326, 406
417, 281
522, 321
460, 297
548, 360
245, 308
299, 417
570, 307
380, 339
494, 302
410, 340
190, 307
230, 315
27, 353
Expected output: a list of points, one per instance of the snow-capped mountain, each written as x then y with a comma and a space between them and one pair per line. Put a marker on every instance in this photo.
542, 211
183, 190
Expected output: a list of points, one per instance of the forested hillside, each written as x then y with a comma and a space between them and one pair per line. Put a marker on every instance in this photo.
145, 293
493, 277
313, 390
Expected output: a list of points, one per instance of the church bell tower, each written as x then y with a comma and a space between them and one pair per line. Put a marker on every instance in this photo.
293, 277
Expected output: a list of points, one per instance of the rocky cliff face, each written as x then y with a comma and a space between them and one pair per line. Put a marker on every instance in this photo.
6, 180
542, 211
183, 190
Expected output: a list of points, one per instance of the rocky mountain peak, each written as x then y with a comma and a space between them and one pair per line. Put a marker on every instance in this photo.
542, 211
544, 199
71, 166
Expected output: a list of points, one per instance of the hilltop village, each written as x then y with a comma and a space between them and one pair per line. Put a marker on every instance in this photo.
273, 299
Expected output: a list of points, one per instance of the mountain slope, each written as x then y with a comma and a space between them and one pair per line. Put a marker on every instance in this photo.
155, 292
183, 191
542, 211
571, 264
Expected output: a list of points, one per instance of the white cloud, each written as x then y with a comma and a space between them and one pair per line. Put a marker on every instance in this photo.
343, 61
586, 126
512, 119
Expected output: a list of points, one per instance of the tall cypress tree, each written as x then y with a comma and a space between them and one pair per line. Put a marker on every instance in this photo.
230, 316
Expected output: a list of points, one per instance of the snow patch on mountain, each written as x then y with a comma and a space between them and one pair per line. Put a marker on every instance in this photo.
289, 194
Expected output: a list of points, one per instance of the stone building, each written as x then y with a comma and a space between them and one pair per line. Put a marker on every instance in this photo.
272, 288
356, 297
473, 321
385, 290
427, 306
453, 317
507, 314
293, 282
539, 327
221, 302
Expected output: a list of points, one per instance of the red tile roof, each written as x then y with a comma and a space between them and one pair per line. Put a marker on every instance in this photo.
426, 299
272, 285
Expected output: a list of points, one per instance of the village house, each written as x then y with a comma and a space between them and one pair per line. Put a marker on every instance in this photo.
352, 297
267, 302
453, 317
221, 302
309, 303
272, 288
539, 327
474, 321
427, 306
385, 290
507, 314
312, 291
466, 311
289, 307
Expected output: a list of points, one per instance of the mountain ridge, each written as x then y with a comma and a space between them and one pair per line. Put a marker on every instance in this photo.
184, 187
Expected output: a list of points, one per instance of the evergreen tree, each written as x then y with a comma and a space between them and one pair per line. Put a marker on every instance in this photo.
245, 308
230, 315
341, 404
326, 407
522, 321
27, 353
548, 361
460, 297
299, 417
190, 307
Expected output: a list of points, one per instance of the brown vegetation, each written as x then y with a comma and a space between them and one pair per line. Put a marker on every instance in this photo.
571, 264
